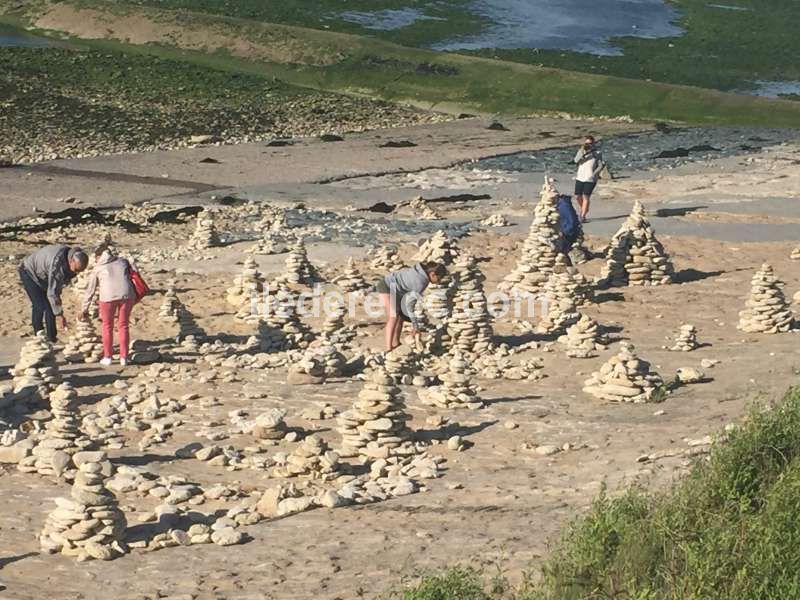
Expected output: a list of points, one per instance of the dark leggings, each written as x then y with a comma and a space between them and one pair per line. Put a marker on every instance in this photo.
41, 309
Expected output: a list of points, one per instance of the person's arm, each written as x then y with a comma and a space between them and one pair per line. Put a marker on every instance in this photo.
55, 283
410, 300
599, 164
91, 288
579, 156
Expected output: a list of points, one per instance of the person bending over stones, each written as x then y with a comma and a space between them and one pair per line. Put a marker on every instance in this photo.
44, 275
400, 292
569, 224
590, 164
111, 276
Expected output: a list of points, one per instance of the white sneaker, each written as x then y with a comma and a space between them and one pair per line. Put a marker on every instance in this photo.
123, 362
106, 362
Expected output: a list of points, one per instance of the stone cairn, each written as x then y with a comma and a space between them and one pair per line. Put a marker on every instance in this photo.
495, 220
422, 210
583, 339
84, 345
686, 340
168, 311
298, 270
62, 437
205, 233
327, 356
795, 255
562, 311
36, 373
439, 248
402, 364
312, 459
89, 524
470, 325
249, 283
579, 253
539, 252
174, 311
281, 329
376, 425
766, 310
351, 280
334, 329
456, 389
624, 378
386, 260
635, 256
573, 281
79, 285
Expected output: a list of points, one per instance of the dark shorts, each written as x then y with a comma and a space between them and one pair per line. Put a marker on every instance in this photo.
381, 287
584, 188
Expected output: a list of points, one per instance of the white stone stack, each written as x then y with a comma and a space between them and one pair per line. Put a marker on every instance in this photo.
635, 256
456, 390
248, 284
89, 525
280, 328
386, 260
539, 252
795, 255
266, 245
767, 310
686, 340
62, 437
328, 356
351, 280
470, 325
422, 210
375, 427
334, 329
439, 248
583, 339
168, 311
624, 378
495, 220
312, 459
402, 364
573, 281
84, 345
562, 310
298, 270
36, 373
205, 233
79, 286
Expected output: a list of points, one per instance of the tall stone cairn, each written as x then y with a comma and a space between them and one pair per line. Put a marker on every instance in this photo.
205, 233
298, 269
281, 329
624, 378
168, 311
766, 310
89, 525
248, 283
376, 425
538, 258
559, 297
351, 280
439, 248
470, 324
686, 340
84, 346
423, 210
36, 373
635, 256
386, 260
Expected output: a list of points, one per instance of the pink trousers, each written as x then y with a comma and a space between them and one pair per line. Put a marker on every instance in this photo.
121, 309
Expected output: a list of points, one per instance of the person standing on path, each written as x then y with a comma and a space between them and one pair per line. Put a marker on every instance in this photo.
111, 276
44, 275
590, 164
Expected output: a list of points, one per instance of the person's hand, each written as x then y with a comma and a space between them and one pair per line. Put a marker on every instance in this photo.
63, 320
416, 332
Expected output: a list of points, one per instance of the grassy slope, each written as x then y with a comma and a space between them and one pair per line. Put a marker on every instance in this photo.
392, 72
729, 531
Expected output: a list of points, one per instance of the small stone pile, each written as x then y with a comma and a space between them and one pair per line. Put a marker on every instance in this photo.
205, 233
249, 283
326, 354
270, 425
402, 364
312, 459
495, 220
351, 280
386, 260
539, 252
579, 253
168, 311
36, 373
795, 255
266, 245
375, 427
61, 439
470, 324
439, 248
635, 256
334, 329
767, 310
583, 339
89, 525
84, 345
456, 389
686, 341
422, 210
281, 329
298, 271
624, 378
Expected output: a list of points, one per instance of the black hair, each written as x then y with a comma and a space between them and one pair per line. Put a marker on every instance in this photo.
436, 268
590, 137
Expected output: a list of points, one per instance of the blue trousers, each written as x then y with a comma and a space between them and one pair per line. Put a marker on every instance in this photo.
41, 311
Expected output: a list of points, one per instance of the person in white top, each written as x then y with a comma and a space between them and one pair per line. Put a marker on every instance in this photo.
590, 164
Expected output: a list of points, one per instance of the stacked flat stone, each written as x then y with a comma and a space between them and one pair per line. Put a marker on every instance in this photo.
624, 378
168, 311
795, 255
579, 253
266, 245
456, 390
686, 341
89, 525
386, 260
312, 459
281, 329
402, 364
495, 220
539, 252
583, 339
246, 285
62, 437
334, 329
635, 256
767, 310
298, 270
439, 248
422, 210
36, 373
84, 345
562, 310
376, 425
79, 286
351, 280
573, 281
205, 233
269, 425
273, 220
470, 325
328, 356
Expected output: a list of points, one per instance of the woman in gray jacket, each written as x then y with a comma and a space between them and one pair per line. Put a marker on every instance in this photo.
111, 278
